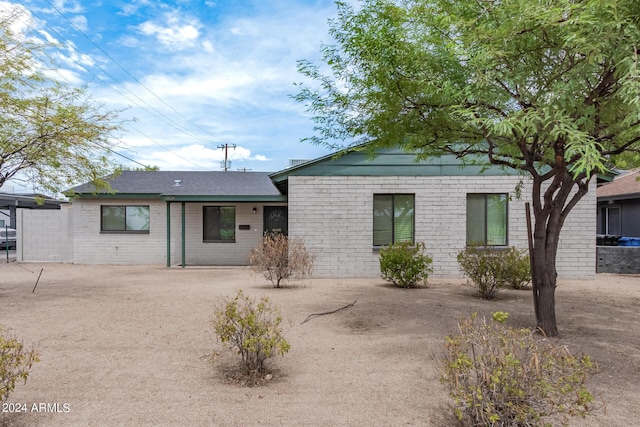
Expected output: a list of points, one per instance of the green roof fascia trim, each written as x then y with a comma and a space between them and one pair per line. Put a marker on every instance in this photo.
605, 176
213, 198
388, 162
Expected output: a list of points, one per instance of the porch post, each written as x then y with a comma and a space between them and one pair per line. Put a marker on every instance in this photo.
184, 263
168, 234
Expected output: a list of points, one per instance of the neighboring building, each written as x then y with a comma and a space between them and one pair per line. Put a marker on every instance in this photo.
345, 208
10, 203
619, 206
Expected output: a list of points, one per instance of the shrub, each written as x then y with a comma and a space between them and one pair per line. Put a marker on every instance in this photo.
492, 269
279, 257
518, 273
15, 362
252, 329
499, 376
405, 265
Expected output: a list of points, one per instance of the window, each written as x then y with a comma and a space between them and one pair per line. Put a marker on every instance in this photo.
612, 220
124, 219
487, 219
393, 218
219, 224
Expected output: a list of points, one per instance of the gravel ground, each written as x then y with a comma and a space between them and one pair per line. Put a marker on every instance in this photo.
132, 346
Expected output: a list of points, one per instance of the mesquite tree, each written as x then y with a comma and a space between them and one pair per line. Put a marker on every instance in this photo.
51, 135
549, 88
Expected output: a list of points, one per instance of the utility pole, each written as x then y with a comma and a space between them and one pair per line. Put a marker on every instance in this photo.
225, 147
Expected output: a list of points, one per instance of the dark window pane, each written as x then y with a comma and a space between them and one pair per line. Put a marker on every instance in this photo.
228, 223
382, 219
113, 218
393, 218
613, 221
475, 219
219, 223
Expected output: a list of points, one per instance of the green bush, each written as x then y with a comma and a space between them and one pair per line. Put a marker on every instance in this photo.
500, 376
492, 269
15, 362
252, 329
405, 265
518, 273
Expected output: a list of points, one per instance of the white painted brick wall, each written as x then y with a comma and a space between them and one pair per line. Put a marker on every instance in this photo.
334, 216
44, 235
205, 253
92, 247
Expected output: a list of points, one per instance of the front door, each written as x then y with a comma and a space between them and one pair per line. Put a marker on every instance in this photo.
275, 219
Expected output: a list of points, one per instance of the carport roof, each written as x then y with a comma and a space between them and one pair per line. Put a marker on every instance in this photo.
28, 201
186, 185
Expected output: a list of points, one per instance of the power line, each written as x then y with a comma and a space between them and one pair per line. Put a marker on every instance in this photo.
128, 158
126, 72
151, 109
122, 94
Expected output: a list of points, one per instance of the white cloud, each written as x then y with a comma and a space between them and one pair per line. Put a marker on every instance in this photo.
177, 32
65, 76
226, 81
133, 7
196, 156
65, 6
80, 22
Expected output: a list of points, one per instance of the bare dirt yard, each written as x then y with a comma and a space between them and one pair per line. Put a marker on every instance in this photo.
132, 345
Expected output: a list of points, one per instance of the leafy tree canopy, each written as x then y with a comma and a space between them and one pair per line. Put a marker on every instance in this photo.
51, 135
523, 81
547, 87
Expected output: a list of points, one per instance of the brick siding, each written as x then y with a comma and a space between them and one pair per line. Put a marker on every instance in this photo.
334, 216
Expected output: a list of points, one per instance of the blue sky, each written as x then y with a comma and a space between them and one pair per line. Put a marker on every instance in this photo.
194, 74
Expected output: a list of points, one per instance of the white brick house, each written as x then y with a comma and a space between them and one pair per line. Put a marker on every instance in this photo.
345, 208
331, 206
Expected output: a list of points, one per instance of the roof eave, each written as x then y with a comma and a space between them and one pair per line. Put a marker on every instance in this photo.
115, 195
220, 198
614, 197
187, 197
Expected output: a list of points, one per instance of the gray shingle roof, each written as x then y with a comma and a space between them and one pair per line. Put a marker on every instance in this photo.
191, 183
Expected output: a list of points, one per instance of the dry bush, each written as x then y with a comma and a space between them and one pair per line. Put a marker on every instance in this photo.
279, 258
500, 376
15, 362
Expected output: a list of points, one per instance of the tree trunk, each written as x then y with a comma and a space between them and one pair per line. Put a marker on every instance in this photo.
550, 211
546, 293
544, 285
